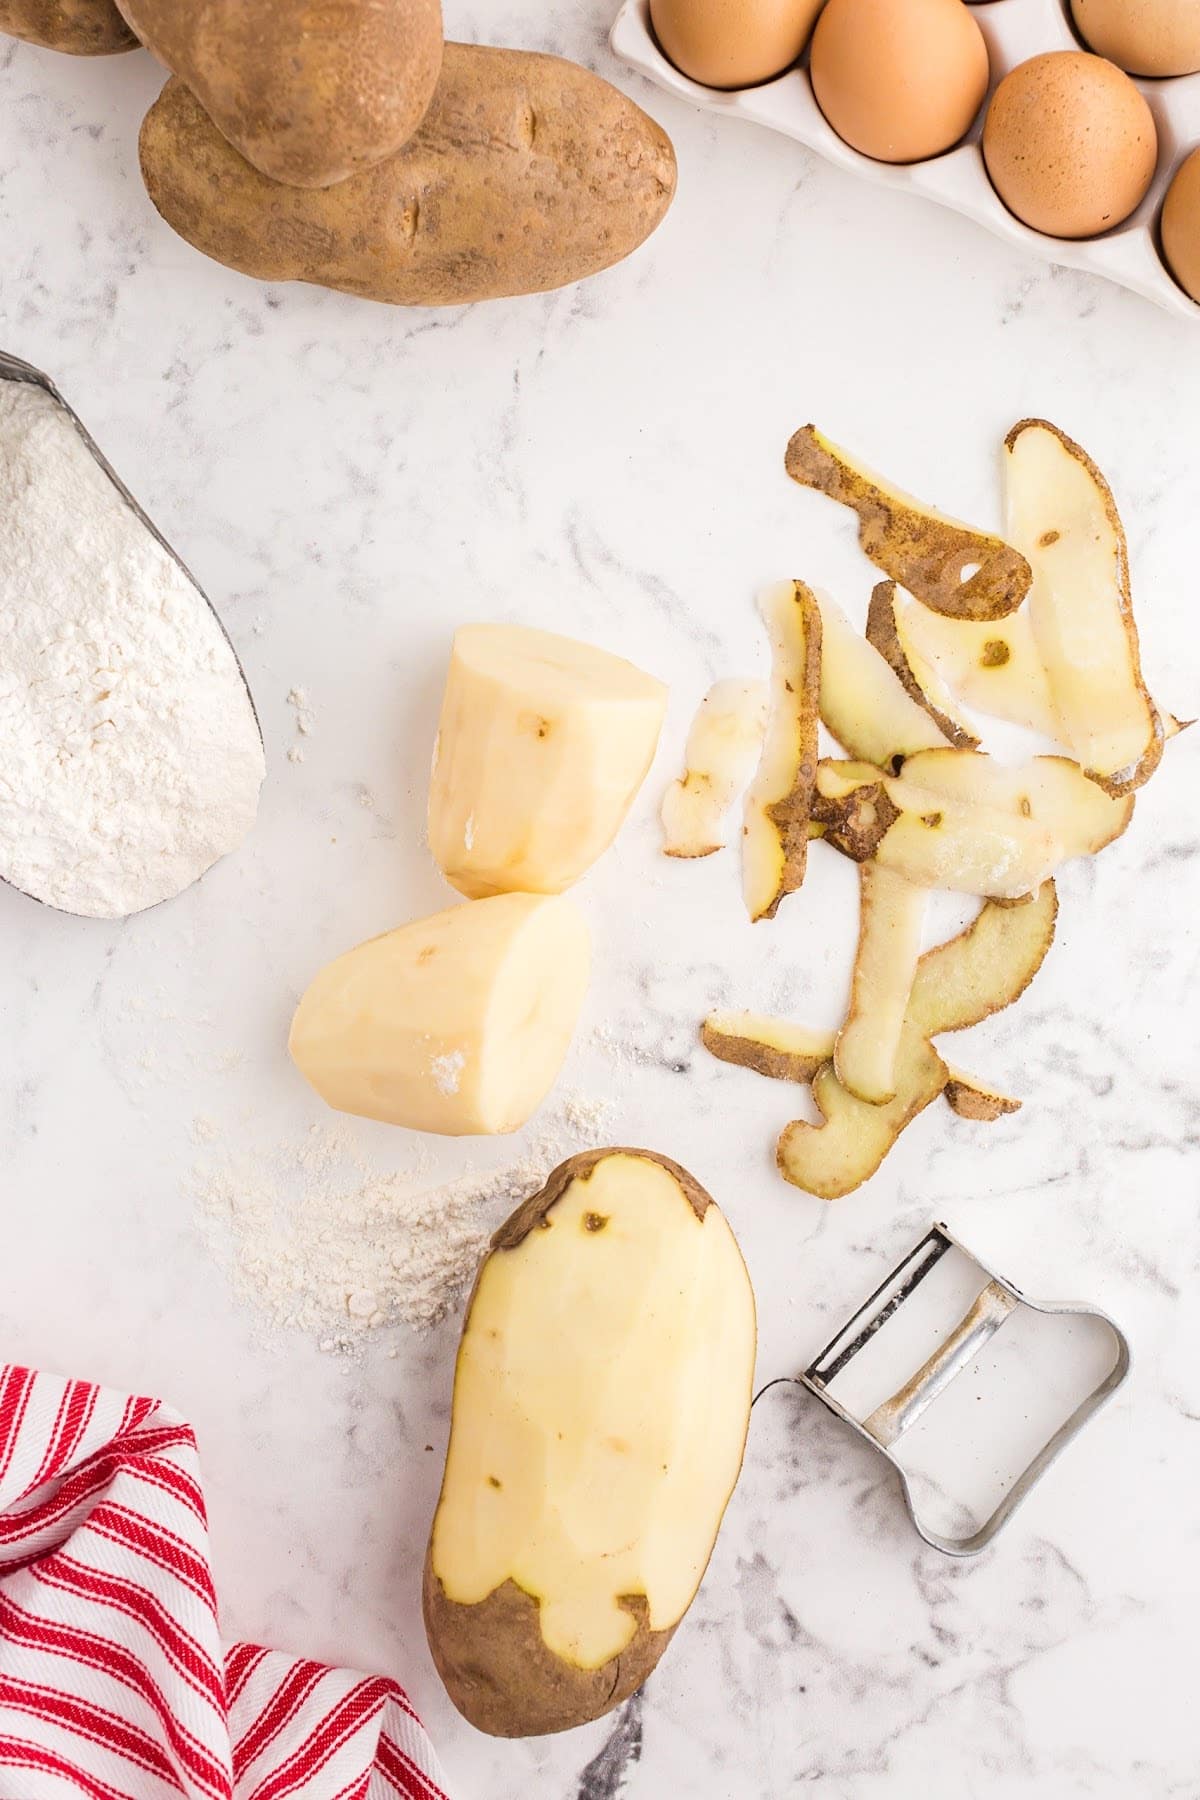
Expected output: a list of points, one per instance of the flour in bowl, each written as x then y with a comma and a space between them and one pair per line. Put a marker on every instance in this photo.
130, 756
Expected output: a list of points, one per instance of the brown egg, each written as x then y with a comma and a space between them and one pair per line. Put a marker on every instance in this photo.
733, 43
1150, 37
899, 80
1181, 225
1070, 144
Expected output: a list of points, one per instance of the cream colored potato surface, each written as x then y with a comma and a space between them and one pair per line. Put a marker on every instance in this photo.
993, 667
542, 745
723, 746
891, 917
778, 804
601, 1403
863, 702
455, 1024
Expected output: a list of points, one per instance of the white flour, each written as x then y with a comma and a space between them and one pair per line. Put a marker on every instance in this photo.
320, 1241
129, 755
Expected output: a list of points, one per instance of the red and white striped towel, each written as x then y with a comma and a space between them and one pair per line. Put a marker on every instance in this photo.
113, 1681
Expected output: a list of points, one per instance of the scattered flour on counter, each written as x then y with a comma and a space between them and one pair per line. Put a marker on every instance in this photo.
130, 757
321, 1241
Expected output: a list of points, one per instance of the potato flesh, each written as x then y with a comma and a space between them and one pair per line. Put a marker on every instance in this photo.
834, 1158
602, 1397
1061, 513
891, 917
722, 747
986, 967
863, 702
1052, 791
964, 848
770, 1046
779, 800
994, 668
455, 1024
542, 746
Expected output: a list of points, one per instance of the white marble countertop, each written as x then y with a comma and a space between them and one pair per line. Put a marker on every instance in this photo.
349, 482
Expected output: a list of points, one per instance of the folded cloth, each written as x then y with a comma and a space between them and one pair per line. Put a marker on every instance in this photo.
113, 1680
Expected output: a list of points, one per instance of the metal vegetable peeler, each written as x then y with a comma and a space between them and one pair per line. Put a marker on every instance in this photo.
957, 1339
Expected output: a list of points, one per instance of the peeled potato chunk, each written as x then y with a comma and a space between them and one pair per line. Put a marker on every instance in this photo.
891, 915
779, 800
722, 748
1052, 791
542, 745
455, 1024
863, 702
1062, 514
994, 667
601, 1403
955, 570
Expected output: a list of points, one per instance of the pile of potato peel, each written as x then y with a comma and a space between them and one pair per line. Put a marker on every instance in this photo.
1035, 628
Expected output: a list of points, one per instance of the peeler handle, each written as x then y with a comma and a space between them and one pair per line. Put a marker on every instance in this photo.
987, 1312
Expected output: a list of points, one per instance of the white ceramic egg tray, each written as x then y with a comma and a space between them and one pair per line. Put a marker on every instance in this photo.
1015, 30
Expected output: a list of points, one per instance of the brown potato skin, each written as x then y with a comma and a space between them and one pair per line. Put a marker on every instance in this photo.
80, 27
526, 174
881, 632
492, 1657
309, 91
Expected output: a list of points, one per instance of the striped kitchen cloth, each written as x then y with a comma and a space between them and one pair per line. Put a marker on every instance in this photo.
114, 1683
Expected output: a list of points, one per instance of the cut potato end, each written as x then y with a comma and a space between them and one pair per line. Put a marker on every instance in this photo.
951, 568
724, 741
986, 967
455, 1024
929, 693
972, 1098
863, 702
1062, 514
891, 916
543, 743
836, 1157
1052, 791
601, 1403
994, 668
769, 1046
779, 801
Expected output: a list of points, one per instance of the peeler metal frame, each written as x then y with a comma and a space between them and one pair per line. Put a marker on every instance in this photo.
884, 1427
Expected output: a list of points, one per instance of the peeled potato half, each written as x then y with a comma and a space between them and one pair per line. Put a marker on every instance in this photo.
601, 1403
543, 743
455, 1024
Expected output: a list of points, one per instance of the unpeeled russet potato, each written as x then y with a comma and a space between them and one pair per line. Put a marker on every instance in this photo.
80, 27
526, 173
601, 1403
308, 94
455, 1024
542, 744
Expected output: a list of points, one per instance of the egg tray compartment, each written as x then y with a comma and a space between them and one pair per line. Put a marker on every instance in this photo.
1015, 30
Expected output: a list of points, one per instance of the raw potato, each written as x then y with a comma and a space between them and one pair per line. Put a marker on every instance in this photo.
779, 801
1062, 514
972, 1098
1052, 791
863, 703
957, 984
601, 1403
933, 841
964, 573
454, 1024
722, 747
932, 696
80, 27
542, 745
309, 94
772, 1047
993, 667
891, 917
527, 173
